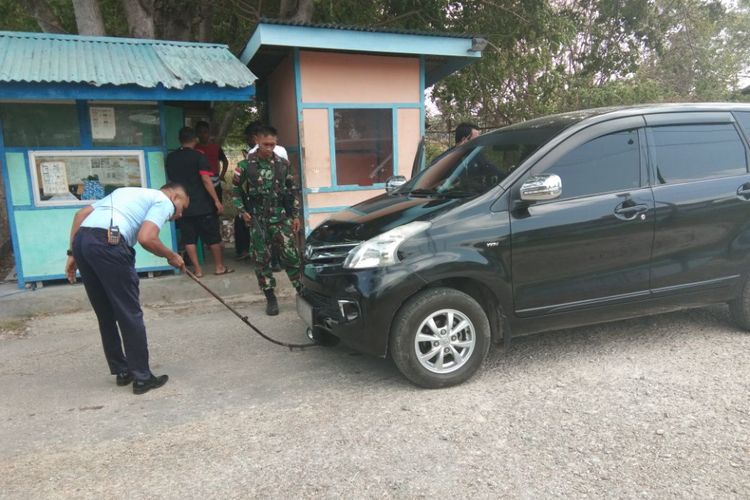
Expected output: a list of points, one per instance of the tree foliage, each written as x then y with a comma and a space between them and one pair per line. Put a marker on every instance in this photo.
543, 55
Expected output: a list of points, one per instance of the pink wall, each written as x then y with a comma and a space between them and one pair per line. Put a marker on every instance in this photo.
282, 103
314, 220
316, 150
408, 139
330, 78
336, 77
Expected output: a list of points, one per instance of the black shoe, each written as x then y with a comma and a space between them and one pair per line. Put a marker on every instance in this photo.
143, 386
272, 305
277, 268
124, 378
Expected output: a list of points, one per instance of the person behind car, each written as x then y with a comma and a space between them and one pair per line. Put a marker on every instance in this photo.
465, 132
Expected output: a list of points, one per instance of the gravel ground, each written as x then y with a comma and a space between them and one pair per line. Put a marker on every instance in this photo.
649, 408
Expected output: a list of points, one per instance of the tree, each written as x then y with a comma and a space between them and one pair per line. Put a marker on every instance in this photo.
544, 55
89, 17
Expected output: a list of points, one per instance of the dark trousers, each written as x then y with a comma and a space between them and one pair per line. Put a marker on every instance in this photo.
108, 273
241, 236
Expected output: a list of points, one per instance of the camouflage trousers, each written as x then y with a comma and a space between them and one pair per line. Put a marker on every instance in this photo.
280, 237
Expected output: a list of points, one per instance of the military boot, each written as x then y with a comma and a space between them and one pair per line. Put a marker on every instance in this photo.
272, 305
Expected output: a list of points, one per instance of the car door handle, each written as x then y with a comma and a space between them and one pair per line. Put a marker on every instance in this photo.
743, 192
629, 212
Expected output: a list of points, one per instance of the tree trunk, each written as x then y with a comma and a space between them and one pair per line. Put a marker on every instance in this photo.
304, 12
140, 16
173, 23
287, 8
206, 23
230, 115
296, 10
89, 17
44, 16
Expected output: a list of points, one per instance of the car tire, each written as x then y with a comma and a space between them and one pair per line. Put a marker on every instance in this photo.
739, 308
459, 350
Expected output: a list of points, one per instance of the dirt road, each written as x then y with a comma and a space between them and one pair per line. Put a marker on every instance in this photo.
656, 407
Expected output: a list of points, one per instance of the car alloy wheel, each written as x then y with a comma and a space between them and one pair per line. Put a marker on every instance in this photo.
445, 341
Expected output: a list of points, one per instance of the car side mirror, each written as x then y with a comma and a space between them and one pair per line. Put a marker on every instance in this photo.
394, 182
541, 188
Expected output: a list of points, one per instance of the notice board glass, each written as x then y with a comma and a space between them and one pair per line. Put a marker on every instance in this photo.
125, 124
71, 177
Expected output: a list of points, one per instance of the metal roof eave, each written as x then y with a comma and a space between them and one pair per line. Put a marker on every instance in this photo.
71, 91
41, 58
307, 37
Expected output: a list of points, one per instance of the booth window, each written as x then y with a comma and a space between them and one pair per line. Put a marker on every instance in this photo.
72, 177
120, 124
40, 125
364, 146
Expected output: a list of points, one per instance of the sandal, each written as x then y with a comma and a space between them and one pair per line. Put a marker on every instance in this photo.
227, 270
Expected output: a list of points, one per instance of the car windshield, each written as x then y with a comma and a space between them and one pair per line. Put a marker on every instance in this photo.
478, 166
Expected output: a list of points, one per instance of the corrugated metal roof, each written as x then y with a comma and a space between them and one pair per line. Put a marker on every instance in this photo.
48, 58
369, 29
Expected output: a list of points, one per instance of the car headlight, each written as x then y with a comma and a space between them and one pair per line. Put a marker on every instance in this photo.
380, 251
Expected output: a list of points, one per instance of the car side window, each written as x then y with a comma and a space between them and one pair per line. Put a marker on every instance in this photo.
744, 118
602, 165
684, 153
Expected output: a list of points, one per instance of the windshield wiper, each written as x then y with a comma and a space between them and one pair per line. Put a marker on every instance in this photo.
457, 194
422, 192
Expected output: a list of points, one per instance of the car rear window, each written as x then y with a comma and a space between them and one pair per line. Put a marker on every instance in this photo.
684, 153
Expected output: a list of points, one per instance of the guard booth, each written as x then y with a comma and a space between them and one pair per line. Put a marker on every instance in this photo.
82, 116
348, 102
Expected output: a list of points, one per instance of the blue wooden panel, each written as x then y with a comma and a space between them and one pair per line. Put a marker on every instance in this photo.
360, 105
325, 210
67, 91
42, 253
18, 177
157, 175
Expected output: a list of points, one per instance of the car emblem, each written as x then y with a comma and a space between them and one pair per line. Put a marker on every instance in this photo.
308, 252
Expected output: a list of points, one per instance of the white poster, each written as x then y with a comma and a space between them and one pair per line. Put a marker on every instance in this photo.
102, 123
54, 177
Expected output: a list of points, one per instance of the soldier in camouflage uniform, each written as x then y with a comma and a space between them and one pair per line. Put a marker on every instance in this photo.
262, 191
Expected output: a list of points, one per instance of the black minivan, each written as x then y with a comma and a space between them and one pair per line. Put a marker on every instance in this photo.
561, 221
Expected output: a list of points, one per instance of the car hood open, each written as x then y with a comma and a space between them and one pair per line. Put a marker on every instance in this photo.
378, 215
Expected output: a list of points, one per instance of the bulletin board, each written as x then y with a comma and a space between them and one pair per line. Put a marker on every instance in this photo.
62, 178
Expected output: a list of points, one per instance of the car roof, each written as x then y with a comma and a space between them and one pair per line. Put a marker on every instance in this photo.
564, 120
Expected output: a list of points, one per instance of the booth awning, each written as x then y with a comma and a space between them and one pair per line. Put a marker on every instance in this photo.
443, 53
41, 62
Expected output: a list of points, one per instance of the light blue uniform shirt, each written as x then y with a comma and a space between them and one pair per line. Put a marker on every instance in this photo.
132, 207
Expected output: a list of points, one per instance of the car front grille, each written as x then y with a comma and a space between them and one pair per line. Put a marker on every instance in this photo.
324, 255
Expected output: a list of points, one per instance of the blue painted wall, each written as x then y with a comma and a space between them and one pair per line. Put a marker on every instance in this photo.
40, 234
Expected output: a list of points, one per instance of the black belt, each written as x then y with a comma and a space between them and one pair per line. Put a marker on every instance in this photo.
102, 232
93, 230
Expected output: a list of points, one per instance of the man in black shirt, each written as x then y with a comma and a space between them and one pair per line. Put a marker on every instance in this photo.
191, 169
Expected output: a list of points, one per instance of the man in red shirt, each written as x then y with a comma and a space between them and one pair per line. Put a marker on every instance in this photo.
214, 154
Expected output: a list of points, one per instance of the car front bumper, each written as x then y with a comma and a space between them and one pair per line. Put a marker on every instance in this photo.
358, 307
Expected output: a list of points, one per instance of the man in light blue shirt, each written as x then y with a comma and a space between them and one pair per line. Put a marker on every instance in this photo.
101, 248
